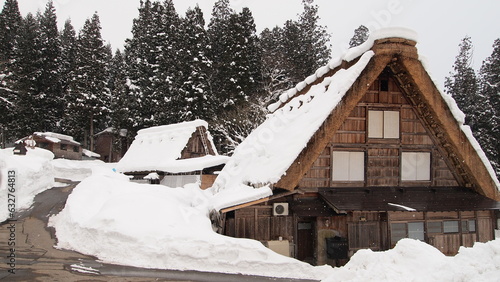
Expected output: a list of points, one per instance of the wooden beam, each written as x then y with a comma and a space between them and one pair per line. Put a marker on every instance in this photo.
248, 204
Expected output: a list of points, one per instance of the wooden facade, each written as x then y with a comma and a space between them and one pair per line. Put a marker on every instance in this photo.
63, 147
111, 145
392, 130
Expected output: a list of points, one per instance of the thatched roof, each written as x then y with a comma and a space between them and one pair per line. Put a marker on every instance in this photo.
282, 149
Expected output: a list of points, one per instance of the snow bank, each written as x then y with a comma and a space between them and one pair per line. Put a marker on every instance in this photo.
153, 226
77, 170
34, 174
413, 260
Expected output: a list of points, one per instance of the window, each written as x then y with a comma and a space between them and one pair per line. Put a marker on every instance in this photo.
435, 227
416, 166
383, 124
76, 149
469, 226
64, 147
450, 226
416, 230
412, 230
43, 145
384, 85
348, 166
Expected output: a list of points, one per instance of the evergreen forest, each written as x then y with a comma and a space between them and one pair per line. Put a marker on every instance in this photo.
178, 68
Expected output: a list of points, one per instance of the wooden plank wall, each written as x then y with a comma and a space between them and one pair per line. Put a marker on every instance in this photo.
382, 155
257, 222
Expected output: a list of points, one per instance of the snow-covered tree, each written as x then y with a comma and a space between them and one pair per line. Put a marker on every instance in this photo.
68, 56
360, 36
462, 83
49, 79
195, 100
89, 97
121, 100
26, 74
489, 134
10, 22
275, 65
305, 43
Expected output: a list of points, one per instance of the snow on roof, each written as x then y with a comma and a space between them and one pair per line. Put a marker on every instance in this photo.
122, 132
159, 149
267, 153
56, 137
272, 147
348, 56
90, 154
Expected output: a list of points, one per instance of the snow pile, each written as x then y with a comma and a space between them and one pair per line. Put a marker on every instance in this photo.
33, 174
159, 148
413, 260
77, 170
265, 155
153, 226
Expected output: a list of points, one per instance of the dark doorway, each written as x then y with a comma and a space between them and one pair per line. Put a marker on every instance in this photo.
305, 240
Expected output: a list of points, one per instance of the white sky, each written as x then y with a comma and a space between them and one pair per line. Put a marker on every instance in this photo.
440, 24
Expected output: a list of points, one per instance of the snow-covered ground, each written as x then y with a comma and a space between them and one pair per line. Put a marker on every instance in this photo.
25, 177
169, 228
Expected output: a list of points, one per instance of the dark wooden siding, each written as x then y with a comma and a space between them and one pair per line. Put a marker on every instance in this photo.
195, 147
257, 222
382, 156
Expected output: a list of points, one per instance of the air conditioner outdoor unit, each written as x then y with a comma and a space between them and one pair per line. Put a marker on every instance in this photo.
280, 209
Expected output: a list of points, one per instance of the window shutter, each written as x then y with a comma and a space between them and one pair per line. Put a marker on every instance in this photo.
391, 124
375, 124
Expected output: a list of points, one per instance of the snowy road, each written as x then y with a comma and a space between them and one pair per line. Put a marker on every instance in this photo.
36, 258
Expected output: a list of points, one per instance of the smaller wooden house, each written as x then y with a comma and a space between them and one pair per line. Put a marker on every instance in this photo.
363, 153
173, 155
63, 146
111, 144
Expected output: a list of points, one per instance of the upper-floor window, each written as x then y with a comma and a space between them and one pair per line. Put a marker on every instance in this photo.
348, 166
415, 166
383, 124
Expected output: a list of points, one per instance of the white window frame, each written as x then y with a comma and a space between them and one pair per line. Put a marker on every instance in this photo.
383, 124
348, 166
415, 166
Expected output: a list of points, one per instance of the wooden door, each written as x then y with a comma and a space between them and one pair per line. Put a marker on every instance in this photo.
305, 240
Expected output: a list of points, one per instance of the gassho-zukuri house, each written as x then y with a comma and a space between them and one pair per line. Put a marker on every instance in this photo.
363, 153
173, 155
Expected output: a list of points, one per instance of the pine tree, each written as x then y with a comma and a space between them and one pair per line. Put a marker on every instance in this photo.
194, 92
305, 43
49, 80
360, 36
489, 122
171, 73
10, 22
68, 56
275, 65
220, 54
142, 67
89, 98
120, 98
462, 83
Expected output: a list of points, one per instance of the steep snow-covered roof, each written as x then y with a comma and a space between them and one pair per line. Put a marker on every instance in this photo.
268, 152
159, 149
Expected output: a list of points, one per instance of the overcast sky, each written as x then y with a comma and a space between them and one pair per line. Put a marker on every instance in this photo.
441, 24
